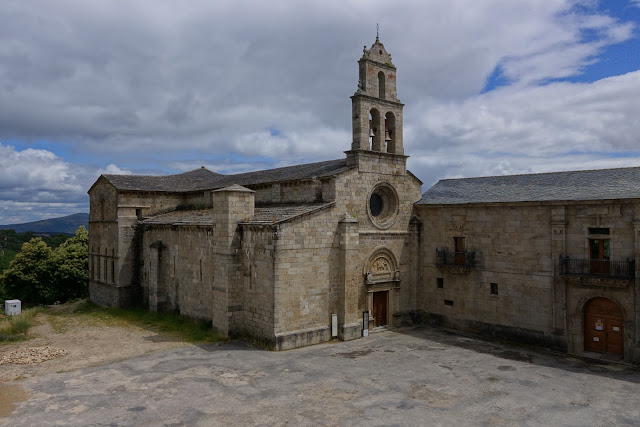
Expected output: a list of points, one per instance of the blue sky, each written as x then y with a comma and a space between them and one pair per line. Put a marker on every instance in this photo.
156, 87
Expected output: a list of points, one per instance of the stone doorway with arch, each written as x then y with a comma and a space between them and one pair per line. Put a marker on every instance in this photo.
603, 326
382, 282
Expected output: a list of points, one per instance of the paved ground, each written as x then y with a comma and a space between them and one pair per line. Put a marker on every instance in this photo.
415, 376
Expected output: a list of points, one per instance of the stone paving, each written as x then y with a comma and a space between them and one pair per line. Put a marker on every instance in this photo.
415, 376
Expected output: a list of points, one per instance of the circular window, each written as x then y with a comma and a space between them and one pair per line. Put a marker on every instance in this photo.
375, 204
383, 205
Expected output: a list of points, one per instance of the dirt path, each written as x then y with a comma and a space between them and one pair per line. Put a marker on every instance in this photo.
83, 340
60, 343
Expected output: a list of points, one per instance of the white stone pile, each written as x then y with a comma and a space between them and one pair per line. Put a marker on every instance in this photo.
27, 356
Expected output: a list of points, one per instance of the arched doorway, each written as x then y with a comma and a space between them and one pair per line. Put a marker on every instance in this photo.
603, 326
382, 280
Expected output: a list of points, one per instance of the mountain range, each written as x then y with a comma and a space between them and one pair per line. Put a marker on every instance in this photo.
64, 224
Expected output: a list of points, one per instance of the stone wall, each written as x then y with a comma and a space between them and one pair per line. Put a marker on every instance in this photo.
512, 249
104, 259
299, 191
153, 203
257, 299
518, 247
306, 279
321, 259
185, 277
621, 220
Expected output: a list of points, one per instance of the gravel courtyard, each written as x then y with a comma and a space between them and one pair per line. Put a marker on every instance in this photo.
414, 376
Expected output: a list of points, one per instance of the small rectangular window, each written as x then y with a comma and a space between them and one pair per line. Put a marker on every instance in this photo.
139, 213
440, 282
598, 231
494, 288
448, 302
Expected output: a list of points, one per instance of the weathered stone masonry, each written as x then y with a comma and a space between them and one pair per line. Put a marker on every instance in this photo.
276, 253
543, 258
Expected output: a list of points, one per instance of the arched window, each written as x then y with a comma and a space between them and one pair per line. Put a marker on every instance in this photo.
375, 130
390, 132
381, 85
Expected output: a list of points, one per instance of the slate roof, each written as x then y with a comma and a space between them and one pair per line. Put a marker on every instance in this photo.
266, 214
604, 184
204, 179
197, 179
272, 214
186, 217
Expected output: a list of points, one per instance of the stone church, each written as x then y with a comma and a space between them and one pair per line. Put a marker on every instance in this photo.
303, 254
275, 253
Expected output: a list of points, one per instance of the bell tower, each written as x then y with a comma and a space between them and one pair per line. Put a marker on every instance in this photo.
376, 109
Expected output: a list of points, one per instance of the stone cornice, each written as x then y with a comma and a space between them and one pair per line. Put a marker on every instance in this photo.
377, 100
599, 282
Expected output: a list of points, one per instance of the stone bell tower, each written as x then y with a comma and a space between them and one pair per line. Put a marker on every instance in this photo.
376, 109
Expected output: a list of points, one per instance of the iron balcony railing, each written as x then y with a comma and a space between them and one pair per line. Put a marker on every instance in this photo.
462, 259
597, 268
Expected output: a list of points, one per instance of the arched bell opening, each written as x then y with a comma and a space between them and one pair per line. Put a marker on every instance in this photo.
390, 132
375, 130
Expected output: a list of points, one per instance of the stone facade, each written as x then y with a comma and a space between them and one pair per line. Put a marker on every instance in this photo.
528, 269
279, 254
272, 254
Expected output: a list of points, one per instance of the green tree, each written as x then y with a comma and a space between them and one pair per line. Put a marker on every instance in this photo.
69, 266
28, 273
40, 275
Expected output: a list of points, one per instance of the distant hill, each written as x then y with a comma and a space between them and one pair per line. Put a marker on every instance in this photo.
64, 224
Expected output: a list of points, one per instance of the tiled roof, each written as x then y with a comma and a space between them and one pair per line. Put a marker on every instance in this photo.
272, 214
197, 179
204, 179
604, 184
186, 217
265, 214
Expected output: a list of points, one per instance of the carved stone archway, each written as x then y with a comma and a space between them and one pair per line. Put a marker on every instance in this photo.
382, 278
381, 267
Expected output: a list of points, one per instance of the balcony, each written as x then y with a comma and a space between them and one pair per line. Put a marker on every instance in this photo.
597, 268
455, 261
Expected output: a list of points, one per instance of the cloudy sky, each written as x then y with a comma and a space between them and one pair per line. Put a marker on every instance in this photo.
153, 87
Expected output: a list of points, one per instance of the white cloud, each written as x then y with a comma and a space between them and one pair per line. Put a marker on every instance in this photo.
36, 184
112, 169
29, 170
560, 126
207, 74
160, 86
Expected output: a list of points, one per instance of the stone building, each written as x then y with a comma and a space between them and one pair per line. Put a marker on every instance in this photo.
278, 254
544, 258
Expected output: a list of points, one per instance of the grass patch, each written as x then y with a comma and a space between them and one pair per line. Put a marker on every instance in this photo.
168, 323
59, 324
15, 328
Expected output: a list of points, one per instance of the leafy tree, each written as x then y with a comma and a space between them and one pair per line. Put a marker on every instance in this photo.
38, 274
11, 242
69, 266
28, 273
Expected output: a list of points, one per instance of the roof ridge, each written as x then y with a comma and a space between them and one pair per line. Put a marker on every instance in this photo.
540, 173
162, 176
286, 167
204, 179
